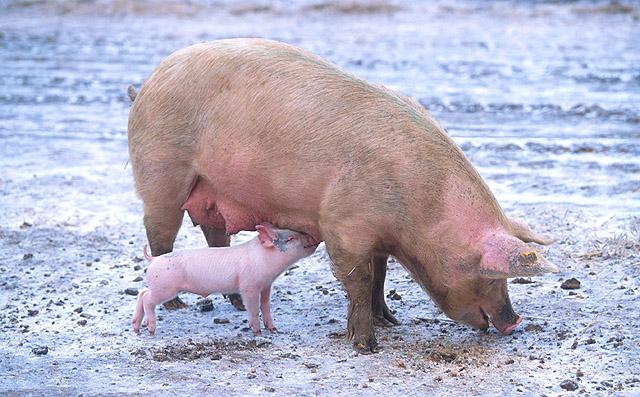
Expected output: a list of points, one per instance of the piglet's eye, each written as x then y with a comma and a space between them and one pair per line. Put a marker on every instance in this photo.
290, 238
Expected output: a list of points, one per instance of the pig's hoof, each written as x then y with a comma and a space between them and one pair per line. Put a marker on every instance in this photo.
236, 301
366, 345
174, 304
273, 329
385, 320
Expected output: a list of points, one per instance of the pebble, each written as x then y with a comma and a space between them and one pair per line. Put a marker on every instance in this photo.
572, 283
205, 305
131, 291
82, 322
27, 256
569, 385
394, 295
221, 321
40, 350
139, 278
521, 280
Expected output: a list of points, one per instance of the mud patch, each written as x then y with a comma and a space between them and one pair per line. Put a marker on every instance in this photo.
193, 350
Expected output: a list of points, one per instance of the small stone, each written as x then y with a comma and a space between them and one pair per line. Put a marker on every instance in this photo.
82, 322
205, 305
137, 267
521, 280
40, 350
32, 312
533, 328
27, 256
24, 226
131, 291
590, 341
571, 283
78, 309
569, 385
509, 361
139, 278
221, 321
579, 373
394, 295
269, 389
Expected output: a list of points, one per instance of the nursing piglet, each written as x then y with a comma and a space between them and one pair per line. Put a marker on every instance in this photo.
248, 269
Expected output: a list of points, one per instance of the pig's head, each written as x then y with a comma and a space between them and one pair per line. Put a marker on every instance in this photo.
286, 242
475, 287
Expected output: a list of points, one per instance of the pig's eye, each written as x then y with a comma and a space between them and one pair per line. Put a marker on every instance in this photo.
290, 238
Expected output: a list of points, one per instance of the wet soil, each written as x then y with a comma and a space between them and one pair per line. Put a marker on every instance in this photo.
542, 97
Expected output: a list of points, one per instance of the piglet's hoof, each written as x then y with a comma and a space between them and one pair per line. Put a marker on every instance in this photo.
174, 304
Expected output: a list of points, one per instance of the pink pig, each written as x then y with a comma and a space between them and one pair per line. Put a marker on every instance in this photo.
248, 269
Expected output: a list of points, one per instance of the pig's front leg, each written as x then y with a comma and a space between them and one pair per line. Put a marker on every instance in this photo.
251, 298
381, 314
265, 308
352, 269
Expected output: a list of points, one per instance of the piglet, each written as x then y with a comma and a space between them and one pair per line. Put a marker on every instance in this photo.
249, 269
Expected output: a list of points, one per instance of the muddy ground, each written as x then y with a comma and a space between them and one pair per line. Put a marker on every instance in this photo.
543, 98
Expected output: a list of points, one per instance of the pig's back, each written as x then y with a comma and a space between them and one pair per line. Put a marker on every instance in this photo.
275, 129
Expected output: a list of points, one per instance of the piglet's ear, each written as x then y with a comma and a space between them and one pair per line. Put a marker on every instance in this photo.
505, 256
266, 235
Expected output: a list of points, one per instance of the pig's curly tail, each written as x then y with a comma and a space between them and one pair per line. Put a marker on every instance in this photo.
146, 254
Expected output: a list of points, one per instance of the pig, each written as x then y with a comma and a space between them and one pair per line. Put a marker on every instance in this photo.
248, 269
241, 131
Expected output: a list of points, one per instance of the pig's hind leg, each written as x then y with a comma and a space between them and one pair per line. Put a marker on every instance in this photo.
138, 315
163, 183
149, 303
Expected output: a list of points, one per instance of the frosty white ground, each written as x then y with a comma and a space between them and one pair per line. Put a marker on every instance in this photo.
540, 97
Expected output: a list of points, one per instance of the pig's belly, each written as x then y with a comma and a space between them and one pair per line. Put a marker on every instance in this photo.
206, 206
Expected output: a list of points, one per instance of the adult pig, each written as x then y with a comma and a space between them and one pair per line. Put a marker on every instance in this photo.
248, 269
244, 131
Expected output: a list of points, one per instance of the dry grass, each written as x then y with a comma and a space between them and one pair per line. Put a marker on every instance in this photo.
622, 245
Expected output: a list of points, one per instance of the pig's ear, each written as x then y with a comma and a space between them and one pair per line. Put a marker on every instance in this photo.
265, 235
505, 256
522, 231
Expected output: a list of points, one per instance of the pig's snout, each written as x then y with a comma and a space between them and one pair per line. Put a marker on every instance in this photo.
505, 319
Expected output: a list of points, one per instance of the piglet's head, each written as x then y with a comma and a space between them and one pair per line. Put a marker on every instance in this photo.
480, 295
285, 241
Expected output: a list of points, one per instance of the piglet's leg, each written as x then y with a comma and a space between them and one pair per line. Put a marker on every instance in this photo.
251, 302
149, 303
138, 315
265, 308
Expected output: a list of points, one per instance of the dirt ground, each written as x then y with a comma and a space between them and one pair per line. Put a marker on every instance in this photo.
71, 232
